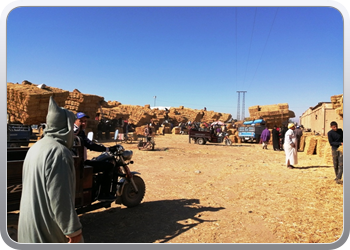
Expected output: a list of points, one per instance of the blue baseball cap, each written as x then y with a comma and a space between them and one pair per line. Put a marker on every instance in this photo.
81, 115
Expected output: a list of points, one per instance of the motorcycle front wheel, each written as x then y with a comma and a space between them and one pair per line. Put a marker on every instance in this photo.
129, 197
228, 142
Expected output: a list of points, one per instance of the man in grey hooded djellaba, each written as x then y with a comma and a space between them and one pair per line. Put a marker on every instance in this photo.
47, 209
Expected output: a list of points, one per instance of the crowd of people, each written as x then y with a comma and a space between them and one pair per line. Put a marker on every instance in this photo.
287, 139
278, 136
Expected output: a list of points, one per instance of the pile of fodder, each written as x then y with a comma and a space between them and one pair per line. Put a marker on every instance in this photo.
86, 103
322, 142
337, 104
79, 102
317, 145
136, 114
275, 114
27, 103
310, 145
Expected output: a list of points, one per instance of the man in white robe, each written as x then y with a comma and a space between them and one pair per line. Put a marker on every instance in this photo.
47, 209
290, 146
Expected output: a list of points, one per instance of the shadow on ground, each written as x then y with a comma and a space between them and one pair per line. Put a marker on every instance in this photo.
158, 221
308, 167
223, 145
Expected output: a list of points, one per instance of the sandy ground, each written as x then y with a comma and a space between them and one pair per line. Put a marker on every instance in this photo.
222, 194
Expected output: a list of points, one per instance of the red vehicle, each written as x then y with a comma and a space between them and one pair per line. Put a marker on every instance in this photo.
201, 137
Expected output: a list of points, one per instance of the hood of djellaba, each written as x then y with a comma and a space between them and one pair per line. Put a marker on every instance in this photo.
60, 124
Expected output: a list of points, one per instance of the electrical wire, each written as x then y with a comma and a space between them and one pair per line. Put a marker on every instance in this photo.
250, 46
264, 47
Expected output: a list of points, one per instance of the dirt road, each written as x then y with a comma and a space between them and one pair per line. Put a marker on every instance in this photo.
223, 194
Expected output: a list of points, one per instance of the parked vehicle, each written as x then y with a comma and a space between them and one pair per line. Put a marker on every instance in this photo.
201, 137
251, 130
18, 135
128, 186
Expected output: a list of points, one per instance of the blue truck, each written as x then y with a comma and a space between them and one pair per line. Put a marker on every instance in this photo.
251, 131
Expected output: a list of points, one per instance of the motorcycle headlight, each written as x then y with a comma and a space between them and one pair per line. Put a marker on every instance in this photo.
127, 155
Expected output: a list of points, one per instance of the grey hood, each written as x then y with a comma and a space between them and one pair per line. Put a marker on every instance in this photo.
59, 124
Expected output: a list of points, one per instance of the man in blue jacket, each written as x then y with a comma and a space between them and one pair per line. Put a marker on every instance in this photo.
105, 167
335, 138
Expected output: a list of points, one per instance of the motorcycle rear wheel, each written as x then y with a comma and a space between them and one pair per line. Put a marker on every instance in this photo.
228, 142
129, 197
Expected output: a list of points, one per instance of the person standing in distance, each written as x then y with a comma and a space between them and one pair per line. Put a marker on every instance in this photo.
290, 146
335, 139
47, 207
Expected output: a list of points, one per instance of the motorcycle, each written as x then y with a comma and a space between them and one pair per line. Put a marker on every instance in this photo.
146, 143
128, 186
226, 139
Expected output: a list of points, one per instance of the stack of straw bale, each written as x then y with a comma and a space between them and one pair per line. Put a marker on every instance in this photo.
310, 145
337, 103
28, 104
321, 145
327, 155
176, 131
276, 114
79, 102
302, 143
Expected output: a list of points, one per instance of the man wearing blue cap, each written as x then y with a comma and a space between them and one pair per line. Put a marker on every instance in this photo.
105, 167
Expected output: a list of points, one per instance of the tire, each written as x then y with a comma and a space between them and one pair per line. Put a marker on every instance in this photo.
150, 146
129, 140
201, 141
129, 197
228, 142
12, 226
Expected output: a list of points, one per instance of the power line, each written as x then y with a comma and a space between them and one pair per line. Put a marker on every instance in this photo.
264, 47
250, 46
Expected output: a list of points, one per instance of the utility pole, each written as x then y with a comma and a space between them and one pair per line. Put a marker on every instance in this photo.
239, 105
243, 106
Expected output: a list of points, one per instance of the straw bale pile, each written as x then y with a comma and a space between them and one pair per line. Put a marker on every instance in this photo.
210, 116
321, 145
136, 114
79, 102
302, 143
275, 114
337, 103
176, 131
28, 104
310, 145
232, 131
327, 155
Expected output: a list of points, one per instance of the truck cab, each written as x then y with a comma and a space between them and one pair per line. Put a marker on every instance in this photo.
251, 130
18, 135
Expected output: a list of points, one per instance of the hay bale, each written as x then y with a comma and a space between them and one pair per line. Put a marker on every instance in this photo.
302, 143
327, 155
310, 145
283, 106
176, 131
28, 104
321, 146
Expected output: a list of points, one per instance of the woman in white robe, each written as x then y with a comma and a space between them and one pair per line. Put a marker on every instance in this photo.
290, 146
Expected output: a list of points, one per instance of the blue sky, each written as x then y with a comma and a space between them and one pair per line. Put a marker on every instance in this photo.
192, 56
